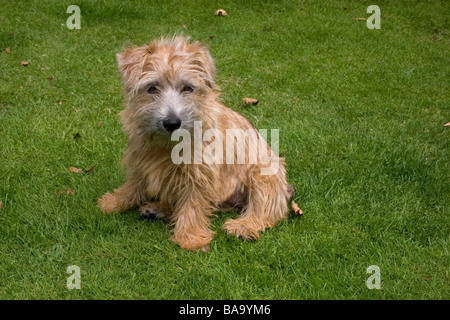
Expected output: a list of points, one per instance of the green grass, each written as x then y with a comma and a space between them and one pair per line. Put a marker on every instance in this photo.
361, 115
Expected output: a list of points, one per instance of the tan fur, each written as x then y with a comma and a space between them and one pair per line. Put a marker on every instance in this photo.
187, 194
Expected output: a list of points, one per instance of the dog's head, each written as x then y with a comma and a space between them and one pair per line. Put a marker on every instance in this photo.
166, 83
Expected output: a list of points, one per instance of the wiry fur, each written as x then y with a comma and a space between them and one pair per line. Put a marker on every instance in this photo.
187, 194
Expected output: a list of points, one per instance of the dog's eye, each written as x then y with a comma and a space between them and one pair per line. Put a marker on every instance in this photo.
152, 89
187, 89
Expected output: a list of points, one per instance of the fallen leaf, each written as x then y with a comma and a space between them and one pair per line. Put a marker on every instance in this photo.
50, 78
296, 209
250, 101
184, 27
60, 192
8, 50
359, 19
302, 8
24, 63
0, 205
220, 13
211, 36
447, 124
89, 170
76, 170
99, 124
12, 34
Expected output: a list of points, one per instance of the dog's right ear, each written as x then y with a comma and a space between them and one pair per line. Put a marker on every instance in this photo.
131, 64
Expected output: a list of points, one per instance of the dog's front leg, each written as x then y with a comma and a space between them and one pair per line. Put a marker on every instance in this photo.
192, 222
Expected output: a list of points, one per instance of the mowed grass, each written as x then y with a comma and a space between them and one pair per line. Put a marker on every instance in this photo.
361, 115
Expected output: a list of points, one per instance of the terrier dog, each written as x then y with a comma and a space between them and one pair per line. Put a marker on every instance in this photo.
169, 86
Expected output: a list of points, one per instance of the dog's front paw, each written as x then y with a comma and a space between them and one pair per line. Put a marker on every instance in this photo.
108, 203
194, 243
241, 228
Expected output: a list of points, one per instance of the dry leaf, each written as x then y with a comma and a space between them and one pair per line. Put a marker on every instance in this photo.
89, 170
211, 36
99, 124
250, 101
184, 27
296, 209
359, 19
0, 205
24, 63
220, 13
60, 192
50, 78
447, 124
8, 50
76, 170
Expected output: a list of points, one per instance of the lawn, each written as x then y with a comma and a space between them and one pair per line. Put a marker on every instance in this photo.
361, 114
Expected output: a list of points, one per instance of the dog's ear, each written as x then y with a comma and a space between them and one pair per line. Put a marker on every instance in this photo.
204, 60
131, 64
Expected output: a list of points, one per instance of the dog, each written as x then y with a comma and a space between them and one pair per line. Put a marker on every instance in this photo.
169, 87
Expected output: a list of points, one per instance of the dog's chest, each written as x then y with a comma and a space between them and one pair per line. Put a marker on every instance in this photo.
160, 176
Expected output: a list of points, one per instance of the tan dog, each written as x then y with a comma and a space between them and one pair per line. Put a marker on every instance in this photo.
169, 85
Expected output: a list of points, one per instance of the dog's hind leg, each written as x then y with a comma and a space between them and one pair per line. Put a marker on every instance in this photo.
129, 195
153, 210
267, 204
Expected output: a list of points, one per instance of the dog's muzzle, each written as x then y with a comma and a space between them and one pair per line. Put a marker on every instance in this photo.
171, 124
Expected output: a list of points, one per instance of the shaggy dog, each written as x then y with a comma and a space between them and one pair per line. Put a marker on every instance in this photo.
169, 88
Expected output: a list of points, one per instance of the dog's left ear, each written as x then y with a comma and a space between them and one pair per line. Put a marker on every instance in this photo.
204, 60
131, 64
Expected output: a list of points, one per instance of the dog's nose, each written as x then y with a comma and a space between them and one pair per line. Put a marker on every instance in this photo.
172, 124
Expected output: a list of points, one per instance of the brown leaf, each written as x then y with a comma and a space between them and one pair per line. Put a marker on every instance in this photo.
24, 63
50, 78
60, 192
99, 124
8, 50
76, 170
220, 13
359, 19
89, 170
211, 36
296, 209
184, 27
250, 101
0, 205
447, 124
